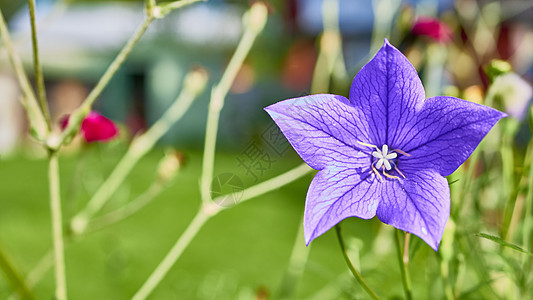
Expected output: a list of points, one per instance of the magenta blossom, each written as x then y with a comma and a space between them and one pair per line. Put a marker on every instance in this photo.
432, 28
385, 151
95, 127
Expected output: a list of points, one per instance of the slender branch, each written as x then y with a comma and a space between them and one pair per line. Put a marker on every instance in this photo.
403, 259
34, 113
355, 273
37, 273
268, 185
207, 211
256, 19
57, 227
129, 209
170, 259
166, 8
194, 83
19, 286
79, 114
39, 79
297, 263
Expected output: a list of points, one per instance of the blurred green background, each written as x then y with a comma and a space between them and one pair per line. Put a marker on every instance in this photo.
244, 253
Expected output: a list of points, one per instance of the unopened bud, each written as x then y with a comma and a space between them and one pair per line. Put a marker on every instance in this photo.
169, 165
196, 81
513, 92
256, 17
497, 67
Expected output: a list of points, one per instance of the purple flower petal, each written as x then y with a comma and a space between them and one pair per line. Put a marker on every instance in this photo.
389, 92
447, 131
420, 204
336, 193
323, 129
359, 146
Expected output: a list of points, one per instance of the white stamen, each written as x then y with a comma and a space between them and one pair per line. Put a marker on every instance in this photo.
380, 163
387, 164
385, 150
391, 155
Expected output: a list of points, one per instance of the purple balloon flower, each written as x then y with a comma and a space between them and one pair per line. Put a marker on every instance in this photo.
385, 150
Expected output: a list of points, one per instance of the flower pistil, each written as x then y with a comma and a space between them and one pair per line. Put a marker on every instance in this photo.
385, 160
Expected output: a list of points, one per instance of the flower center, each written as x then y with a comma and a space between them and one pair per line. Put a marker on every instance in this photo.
384, 157
384, 160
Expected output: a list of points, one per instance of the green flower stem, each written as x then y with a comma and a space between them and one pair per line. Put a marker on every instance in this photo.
39, 79
45, 263
170, 259
255, 20
330, 57
150, 4
355, 273
513, 203
528, 215
165, 8
403, 259
384, 11
129, 209
207, 211
268, 185
37, 121
57, 227
193, 85
37, 273
79, 114
297, 262
14, 277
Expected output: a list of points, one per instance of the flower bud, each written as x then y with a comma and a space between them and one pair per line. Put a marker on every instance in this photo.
513, 92
169, 165
497, 67
256, 17
196, 81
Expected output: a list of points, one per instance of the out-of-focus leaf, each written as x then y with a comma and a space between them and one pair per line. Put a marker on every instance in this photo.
503, 243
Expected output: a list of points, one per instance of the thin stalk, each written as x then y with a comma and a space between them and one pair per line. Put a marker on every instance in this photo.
39, 79
37, 273
268, 185
254, 191
34, 113
79, 114
256, 20
57, 227
170, 259
150, 4
168, 7
13, 276
509, 192
129, 209
194, 83
528, 215
297, 262
355, 273
403, 259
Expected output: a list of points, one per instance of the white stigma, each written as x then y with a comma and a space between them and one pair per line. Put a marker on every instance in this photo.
383, 157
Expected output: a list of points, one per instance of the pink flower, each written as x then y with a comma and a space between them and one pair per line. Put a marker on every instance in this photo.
432, 28
95, 127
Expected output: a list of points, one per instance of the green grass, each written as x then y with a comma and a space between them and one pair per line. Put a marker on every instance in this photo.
240, 252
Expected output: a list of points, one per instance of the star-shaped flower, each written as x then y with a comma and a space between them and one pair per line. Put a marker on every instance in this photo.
385, 150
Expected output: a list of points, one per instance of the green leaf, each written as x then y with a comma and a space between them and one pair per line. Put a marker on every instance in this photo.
503, 243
